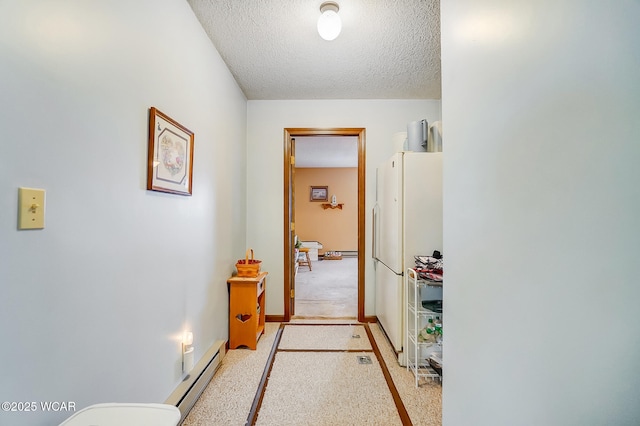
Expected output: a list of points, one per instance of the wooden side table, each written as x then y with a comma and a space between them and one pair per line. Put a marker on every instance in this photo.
246, 310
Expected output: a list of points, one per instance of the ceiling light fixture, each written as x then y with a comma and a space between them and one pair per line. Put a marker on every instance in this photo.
329, 23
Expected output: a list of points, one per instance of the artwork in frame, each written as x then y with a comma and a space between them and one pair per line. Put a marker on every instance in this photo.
170, 162
319, 193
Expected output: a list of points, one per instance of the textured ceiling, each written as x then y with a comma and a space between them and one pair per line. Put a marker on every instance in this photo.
388, 49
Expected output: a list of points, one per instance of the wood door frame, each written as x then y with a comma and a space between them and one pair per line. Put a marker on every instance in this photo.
289, 272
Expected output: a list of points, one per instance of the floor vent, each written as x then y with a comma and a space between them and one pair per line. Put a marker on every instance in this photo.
187, 393
364, 359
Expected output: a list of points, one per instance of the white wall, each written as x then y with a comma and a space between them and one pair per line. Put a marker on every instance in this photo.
92, 306
540, 105
265, 169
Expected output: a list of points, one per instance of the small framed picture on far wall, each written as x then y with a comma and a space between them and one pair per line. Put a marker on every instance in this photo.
319, 193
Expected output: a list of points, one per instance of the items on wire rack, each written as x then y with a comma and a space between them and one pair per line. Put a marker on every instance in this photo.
431, 332
430, 267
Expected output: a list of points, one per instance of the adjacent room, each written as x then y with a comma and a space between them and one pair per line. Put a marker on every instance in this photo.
326, 217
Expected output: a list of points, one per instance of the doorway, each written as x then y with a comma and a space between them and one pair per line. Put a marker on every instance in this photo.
289, 211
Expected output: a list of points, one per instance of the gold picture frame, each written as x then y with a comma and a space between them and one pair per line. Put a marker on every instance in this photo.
170, 160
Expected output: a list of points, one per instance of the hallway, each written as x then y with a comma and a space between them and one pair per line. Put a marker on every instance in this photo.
228, 398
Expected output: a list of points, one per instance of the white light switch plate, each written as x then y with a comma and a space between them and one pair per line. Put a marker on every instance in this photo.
30, 208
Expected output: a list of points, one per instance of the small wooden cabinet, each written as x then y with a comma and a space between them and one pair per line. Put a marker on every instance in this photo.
246, 310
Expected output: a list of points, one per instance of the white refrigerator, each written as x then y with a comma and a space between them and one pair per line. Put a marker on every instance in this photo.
407, 221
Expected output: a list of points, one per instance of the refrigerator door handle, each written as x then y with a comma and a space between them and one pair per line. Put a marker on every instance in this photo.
374, 241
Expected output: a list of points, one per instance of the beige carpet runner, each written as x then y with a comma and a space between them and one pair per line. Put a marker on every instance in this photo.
321, 374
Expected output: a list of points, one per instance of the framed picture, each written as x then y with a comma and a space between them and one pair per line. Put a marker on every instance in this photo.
170, 162
319, 193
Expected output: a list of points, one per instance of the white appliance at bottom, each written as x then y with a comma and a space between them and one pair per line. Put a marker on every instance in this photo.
407, 221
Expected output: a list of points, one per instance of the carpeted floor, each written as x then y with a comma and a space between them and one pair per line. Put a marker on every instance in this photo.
330, 392
228, 397
325, 337
304, 359
318, 377
329, 290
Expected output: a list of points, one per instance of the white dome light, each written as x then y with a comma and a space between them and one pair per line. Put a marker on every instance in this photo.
329, 23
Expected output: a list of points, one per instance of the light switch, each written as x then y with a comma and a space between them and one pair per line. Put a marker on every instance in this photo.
30, 208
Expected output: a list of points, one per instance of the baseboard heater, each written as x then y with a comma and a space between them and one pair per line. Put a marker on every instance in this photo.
349, 253
187, 393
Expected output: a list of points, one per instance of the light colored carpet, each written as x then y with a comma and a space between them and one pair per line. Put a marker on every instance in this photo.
326, 389
329, 290
324, 337
228, 398
424, 403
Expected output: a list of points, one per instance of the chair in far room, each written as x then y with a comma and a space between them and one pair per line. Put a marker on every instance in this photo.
304, 260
